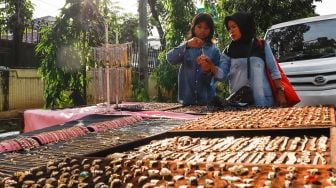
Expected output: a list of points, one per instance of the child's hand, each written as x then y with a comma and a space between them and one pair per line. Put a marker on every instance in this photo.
195, 43
206, 65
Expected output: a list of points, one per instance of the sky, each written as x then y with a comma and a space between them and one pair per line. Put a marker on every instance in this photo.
52, 7
326, 7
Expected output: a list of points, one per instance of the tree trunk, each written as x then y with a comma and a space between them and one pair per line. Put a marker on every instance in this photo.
143, 43
155, 14
84, 69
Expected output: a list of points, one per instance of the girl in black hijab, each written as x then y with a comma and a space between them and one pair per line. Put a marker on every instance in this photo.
242, 31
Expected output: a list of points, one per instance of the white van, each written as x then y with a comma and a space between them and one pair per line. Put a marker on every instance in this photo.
306, 49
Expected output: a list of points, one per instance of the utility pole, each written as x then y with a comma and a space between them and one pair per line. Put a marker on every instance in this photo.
143, 43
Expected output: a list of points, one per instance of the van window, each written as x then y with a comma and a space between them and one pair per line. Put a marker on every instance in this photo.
304, 41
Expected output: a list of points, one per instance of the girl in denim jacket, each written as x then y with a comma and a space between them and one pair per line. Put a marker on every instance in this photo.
199, 59
242, 31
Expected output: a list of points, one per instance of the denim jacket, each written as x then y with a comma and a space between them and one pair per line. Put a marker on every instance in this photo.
235, 70
194, 86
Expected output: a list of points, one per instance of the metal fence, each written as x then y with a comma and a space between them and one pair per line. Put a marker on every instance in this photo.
31, 37
31, 33
153, 57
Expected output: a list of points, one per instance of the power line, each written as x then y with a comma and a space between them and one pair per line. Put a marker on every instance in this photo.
47, 3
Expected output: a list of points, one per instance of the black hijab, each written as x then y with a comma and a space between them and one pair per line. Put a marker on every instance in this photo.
247, 42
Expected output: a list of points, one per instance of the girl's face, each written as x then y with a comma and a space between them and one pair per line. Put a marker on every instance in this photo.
202, 30
234, 30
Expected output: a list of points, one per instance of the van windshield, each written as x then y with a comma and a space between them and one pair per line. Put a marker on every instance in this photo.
304, 41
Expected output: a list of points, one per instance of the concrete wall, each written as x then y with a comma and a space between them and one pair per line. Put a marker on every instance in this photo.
25, 89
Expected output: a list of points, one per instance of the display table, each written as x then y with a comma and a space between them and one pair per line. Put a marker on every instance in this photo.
39, 118
253, 147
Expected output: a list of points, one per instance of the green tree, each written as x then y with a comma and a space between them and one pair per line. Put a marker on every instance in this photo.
158, 19
66, 46
3, 16
128, 28
269, 12
121, 25
19, 14
179, 16
65, 49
